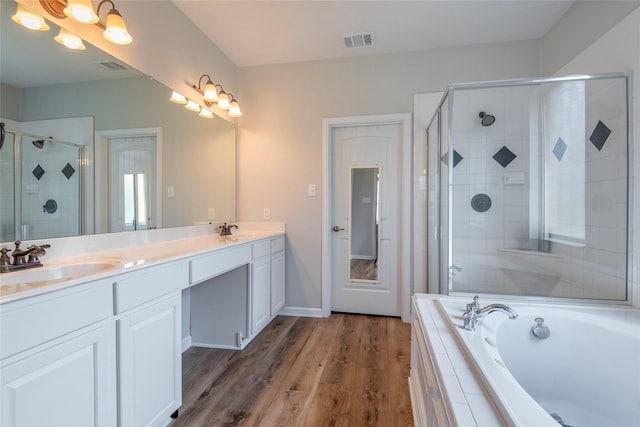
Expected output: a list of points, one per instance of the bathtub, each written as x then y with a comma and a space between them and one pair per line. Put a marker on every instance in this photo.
587, 373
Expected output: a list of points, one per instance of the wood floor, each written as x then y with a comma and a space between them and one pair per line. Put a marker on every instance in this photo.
345, 370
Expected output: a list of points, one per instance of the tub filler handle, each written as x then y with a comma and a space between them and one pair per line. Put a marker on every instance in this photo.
474, 313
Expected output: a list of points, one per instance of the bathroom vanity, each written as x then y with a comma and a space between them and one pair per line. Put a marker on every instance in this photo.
103, 345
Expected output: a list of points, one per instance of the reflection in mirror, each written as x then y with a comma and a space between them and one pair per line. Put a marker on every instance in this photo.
45, 85
363, 230
47, 174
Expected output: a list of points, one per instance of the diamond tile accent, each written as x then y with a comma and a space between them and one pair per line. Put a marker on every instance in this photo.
68, 171
504, 156
600, 135
38, 172
559, 149
457, 158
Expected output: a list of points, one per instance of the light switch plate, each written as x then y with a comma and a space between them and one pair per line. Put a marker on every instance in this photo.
311, 190
266, 213
212, 213
171, 191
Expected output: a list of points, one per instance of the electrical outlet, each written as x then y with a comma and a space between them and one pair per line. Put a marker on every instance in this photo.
171, 191
311, 190
266, 213
212, 213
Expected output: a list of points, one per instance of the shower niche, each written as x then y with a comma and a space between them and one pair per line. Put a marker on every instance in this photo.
537, 200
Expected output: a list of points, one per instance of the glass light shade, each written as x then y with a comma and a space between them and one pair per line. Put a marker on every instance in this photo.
28, 19
178, 98
210, 92
234, 109
223, 100
116, 31
69, 40
192, 106
81, 11
206, 114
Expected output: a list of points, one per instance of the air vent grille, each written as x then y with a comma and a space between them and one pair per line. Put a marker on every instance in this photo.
112, 65
352, 41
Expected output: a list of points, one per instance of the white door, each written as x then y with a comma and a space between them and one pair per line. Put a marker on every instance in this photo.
365, 208
132, 183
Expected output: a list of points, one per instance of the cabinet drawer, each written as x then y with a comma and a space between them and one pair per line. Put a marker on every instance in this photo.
277, 245
34, 321
212, 264
261, 249
133, 289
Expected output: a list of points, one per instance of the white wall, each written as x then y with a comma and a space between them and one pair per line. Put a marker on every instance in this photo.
619, 50
280, 140
579, 27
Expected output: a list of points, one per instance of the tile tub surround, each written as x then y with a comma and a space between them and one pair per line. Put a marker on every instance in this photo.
132, 250
448, 341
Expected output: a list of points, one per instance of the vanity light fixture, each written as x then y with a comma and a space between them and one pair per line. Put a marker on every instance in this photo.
69, 40
223, 100
207, 114
178, 98
116, 29
211, 96
29, 19
192, 106
234, 108
81, 11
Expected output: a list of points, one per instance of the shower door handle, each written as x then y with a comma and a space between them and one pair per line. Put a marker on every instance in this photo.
336, 228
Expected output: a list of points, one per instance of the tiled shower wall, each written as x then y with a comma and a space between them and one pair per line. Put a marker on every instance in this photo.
498, 161
54, 184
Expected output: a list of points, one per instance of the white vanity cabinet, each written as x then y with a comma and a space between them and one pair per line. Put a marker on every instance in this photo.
277, 275
148, 313
260, 294
58, 359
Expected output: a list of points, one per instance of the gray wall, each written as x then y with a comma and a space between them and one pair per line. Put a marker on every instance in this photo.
579, 27
280, 140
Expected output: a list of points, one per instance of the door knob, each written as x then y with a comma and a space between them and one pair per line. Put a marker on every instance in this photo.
336, 228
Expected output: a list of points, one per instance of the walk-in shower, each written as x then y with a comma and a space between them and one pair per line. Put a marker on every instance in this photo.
538, 202
40, 187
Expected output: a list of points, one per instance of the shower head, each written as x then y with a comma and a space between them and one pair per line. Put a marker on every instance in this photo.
486, 119
38, 143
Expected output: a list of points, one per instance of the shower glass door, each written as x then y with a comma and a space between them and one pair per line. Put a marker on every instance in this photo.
538, 193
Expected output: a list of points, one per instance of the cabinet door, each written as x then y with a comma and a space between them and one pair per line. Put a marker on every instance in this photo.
260, 300
277, 282
71, 383
149, 353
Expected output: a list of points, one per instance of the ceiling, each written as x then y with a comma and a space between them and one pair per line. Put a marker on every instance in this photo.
264, 32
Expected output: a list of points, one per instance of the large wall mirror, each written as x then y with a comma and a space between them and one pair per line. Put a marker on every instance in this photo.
113, 114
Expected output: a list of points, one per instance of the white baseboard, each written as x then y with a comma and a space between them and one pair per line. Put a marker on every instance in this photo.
301, 312
186, 343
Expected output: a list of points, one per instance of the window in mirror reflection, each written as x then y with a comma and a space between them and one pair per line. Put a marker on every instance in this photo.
363, 231
136, 210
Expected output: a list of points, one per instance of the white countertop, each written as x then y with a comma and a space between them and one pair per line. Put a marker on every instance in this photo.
123, 256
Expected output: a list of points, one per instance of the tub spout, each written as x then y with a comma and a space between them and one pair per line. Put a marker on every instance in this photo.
474, 312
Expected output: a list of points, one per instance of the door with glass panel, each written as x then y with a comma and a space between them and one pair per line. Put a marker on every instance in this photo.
132, 180
365, 181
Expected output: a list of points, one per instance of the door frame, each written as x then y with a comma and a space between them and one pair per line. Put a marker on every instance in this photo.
406, 196
100, 152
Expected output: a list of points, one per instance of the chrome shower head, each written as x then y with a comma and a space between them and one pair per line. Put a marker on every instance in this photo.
486, 119
38, 143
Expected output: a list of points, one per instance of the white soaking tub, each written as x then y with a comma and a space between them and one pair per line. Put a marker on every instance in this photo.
585, 374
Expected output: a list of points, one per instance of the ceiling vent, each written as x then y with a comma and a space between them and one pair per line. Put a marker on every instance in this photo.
352, 41
112, 65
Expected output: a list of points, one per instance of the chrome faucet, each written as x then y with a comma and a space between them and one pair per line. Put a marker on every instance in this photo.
19, 262
225, 230
474, 313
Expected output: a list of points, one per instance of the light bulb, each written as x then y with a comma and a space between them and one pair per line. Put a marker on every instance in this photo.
206, 114
234, 109
210, 92
116, 30
192, 106
81, 11
223, 100
178, 98
28, 19
69, 40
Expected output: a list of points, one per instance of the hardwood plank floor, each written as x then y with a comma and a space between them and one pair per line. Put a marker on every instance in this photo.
345, 370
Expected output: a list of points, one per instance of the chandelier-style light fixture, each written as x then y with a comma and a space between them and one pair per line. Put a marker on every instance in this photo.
210, 97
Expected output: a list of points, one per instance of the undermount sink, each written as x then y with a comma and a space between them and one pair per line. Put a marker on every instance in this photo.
59, 272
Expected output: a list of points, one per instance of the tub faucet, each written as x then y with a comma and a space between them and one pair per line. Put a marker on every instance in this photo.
474, 313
